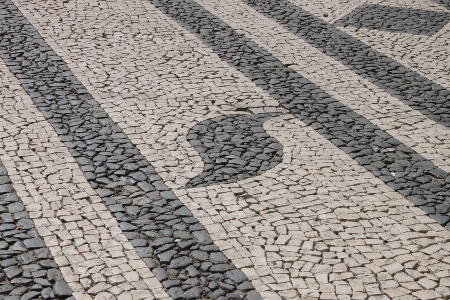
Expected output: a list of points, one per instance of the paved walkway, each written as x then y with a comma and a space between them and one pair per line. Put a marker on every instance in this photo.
225, 149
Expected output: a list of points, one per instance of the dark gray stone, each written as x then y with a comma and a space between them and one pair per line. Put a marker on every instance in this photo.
194, 293
236, 275
12, 272
180, 262
34, 243
61, 289
176, 293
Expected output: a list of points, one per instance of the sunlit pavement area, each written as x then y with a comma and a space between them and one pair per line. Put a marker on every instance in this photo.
225, 149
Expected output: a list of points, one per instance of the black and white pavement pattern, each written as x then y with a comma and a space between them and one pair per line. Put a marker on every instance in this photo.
28, 270
233, 149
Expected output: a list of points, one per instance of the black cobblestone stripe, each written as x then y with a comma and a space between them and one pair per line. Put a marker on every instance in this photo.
408, 86
395, 19
27, 268
168, 238
400, 167
233, 148
444, 3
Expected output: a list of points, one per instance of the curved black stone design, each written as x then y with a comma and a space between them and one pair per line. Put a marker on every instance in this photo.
233, 147
174, 245
400, 167
27, 268
395, 19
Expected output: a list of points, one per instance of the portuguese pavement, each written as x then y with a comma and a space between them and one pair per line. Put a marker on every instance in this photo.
224, 149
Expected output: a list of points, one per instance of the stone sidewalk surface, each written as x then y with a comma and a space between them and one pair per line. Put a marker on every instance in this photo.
225, 149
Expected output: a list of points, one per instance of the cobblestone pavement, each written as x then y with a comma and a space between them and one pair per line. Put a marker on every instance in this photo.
225, 149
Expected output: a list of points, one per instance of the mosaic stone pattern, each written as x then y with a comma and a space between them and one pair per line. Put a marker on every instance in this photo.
163, 231
225, 149
27, 268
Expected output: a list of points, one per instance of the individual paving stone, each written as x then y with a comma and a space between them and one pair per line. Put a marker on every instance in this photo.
15, 278
233, 147
415, 90
391, 161
318, 225
396, 19
104, 153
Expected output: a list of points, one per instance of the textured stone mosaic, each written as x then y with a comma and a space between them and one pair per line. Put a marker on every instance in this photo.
27, 268
225, 149
163, 231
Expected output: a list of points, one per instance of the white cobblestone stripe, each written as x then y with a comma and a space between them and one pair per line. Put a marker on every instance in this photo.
413, 129
320, 226
93, 254
161, 229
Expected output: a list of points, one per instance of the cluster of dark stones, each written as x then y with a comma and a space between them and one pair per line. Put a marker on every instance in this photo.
400, 167
167, 237
233, 147
395, 19
27, 268
411, 88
